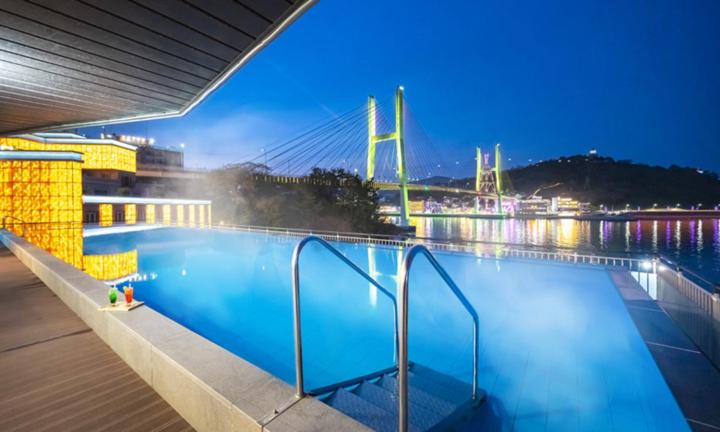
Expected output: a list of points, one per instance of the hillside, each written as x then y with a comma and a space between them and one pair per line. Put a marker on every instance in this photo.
603, 180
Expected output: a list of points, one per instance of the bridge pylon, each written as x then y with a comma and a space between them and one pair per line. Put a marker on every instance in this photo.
498, 179
485, 183
399, 137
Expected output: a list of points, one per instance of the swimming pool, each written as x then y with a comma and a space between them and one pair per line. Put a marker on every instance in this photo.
558, 350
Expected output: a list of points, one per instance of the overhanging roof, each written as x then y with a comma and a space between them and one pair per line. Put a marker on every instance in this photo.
73, 63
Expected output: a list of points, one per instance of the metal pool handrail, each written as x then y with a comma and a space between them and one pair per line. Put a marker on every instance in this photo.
403, 293
299, 377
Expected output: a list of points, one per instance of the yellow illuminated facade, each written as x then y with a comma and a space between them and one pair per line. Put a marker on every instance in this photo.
41, 197
104, 156
150, 213
166, 219
180, 214
106, 214
209, 214
112, 266
130, 214
43, 202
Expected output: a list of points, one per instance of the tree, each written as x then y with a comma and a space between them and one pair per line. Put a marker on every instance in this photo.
325, 199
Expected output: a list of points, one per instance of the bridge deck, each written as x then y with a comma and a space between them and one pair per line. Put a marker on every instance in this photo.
56, 374
430, 188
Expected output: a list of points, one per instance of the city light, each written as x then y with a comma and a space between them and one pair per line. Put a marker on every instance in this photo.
646, 265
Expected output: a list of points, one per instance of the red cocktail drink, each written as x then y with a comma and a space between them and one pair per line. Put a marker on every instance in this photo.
128, 294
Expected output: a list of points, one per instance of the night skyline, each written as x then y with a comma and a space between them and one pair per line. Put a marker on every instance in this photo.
636, 81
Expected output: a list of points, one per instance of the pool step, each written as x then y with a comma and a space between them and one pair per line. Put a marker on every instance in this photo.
436, 401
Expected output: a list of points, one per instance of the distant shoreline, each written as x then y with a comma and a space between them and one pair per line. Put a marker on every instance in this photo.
622, 217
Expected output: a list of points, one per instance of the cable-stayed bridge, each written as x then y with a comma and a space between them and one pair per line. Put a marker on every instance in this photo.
393, 151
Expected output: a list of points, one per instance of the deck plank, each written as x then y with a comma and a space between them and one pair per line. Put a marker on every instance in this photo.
56, 374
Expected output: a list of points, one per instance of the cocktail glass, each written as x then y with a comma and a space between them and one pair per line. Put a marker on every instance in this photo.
128, 294
113, 295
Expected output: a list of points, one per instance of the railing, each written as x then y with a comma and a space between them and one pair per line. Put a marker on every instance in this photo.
690, 300
495, 249
403, 293
692, 277
299, 374
700, 291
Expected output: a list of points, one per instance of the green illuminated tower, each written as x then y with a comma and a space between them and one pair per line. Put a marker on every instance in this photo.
498, 178
399, 137
478, 177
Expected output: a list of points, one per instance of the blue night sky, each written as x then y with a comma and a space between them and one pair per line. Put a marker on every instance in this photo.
637, 80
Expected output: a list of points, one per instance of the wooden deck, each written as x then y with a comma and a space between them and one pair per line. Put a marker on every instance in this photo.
57, 375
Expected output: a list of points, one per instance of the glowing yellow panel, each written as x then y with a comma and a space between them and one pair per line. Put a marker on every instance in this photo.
95, 156
209, 214
166, 214
201, 215
43, 204
106, 214
130, 214
180, 218
191, 215
150, 213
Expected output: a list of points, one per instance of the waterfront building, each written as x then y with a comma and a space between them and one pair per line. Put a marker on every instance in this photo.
533, 206
564, 206
53, 183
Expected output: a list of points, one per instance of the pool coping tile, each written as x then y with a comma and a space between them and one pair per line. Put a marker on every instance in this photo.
691, 377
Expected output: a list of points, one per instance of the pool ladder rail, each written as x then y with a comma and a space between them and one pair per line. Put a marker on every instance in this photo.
384, 399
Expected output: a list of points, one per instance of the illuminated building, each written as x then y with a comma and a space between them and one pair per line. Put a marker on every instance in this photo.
568, 207
97, 154
52, 183
144, 210
533, 206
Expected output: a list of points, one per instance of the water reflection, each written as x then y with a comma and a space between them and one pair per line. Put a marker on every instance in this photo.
111, 266
693, 242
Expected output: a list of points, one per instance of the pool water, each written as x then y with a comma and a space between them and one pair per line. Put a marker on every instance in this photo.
558, 349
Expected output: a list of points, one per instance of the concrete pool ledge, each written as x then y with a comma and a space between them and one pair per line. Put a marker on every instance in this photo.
213, 389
